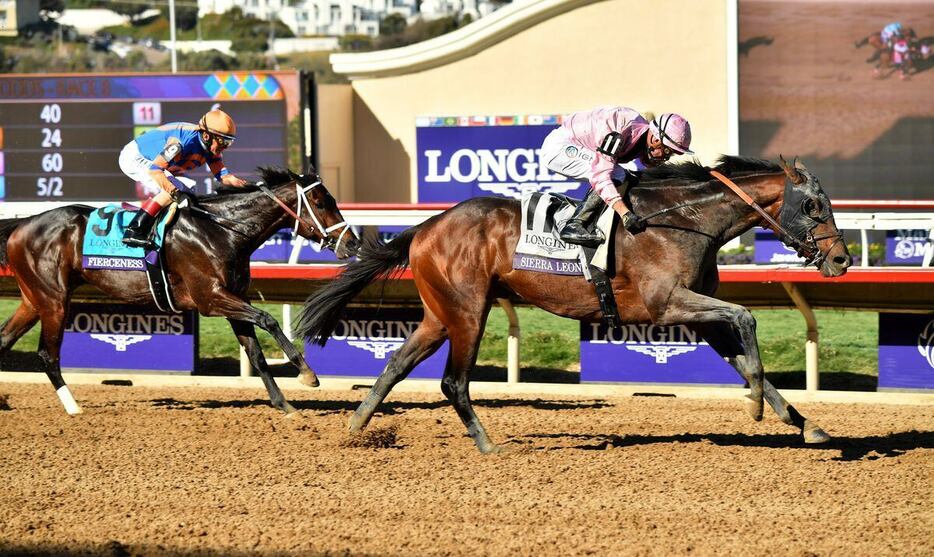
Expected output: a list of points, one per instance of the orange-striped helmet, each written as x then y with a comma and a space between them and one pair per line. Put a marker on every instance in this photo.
220, 124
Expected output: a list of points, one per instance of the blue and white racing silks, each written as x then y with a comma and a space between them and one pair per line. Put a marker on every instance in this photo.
180, 144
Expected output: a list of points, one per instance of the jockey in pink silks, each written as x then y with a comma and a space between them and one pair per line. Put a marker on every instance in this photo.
602, 144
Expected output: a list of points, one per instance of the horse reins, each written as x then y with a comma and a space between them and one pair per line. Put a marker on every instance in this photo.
302, 200
773, 224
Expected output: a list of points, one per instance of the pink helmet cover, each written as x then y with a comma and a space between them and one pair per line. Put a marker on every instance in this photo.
674, 131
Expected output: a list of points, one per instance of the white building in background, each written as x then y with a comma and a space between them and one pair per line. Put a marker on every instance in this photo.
433, 9
343, 17
15, 14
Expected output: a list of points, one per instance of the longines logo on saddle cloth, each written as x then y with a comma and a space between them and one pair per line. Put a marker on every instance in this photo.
103, 248
540, 249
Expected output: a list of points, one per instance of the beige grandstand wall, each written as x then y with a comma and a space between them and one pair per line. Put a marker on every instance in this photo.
335, 140
665, 55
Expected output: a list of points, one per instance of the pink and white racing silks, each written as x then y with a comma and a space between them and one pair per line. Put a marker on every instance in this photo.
587, 129
900, 52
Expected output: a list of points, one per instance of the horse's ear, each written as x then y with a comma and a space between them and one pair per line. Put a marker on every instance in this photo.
800, 165
790, 171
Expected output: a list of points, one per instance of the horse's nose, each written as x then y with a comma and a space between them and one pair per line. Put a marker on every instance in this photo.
843, 261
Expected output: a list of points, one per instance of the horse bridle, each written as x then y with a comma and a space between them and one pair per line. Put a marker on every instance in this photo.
807, 247
301, 195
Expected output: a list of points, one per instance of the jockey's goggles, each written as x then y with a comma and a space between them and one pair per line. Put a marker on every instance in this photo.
223, 140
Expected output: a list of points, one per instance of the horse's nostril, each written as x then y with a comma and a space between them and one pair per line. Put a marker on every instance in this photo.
842, 260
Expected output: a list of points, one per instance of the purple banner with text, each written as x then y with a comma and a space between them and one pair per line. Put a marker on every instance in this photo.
129, 338
651, 354
365, 339
906, 351
464, 157
769, 249
906, 247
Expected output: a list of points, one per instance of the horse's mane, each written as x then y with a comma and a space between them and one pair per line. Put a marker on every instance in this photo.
692, 172
270, 175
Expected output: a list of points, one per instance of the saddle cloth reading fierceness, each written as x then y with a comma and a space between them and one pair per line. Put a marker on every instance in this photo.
540, 249
103, 246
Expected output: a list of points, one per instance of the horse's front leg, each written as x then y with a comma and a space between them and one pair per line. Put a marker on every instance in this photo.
721, 338
246, 334
684, 307
223, 303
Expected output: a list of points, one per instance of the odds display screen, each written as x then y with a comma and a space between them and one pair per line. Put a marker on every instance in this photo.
61, 136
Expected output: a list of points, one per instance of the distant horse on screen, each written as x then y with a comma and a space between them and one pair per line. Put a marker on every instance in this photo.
207, 253
462, 260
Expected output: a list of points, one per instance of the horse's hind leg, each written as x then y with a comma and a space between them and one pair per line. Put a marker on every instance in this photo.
17, 325
423, 343
246, 334
684, 307
465, 342
50, 345
722, 339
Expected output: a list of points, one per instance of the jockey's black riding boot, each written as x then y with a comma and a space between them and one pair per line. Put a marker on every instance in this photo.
577, 229
138, 231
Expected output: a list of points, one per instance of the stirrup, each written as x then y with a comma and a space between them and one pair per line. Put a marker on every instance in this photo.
580, 237
138, 243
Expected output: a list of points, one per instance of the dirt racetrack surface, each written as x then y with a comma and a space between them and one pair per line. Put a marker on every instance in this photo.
217, 471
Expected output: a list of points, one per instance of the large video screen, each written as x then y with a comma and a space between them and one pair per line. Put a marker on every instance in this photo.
61, 135
815, 82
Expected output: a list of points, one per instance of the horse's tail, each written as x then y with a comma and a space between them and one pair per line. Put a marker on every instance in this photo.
862, 42
7, 226
322, 311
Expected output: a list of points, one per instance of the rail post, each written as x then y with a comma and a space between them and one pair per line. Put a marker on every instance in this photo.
812, 377
512, 342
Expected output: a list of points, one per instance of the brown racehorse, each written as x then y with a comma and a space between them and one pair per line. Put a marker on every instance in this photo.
207, 253
462, 261
884, 57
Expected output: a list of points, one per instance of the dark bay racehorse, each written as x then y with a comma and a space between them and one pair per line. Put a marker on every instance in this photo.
462, 261
208, 258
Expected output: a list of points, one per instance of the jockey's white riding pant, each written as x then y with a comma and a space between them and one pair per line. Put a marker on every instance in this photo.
563, 155
137, 167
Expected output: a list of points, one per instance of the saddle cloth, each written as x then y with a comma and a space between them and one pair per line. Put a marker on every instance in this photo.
540, 249
103, 246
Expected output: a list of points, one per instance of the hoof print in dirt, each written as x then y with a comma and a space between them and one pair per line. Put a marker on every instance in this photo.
375, 438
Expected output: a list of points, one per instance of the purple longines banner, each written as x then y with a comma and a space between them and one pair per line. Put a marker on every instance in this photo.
278, 248
769, 249
906, 351
129, 338
905, 247
464, 157
365, 338
651, 354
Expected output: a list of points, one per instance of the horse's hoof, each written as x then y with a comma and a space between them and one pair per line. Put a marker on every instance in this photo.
754, 408
356, 424
289, 410
309, 379
813, 434
492, 449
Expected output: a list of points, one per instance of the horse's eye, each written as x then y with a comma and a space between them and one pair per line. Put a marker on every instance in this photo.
812, 208
319, 206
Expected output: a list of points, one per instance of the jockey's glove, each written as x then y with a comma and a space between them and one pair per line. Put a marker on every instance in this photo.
633, 222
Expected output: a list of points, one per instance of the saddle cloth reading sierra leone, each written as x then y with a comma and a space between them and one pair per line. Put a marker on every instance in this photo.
540, 249
103, 246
